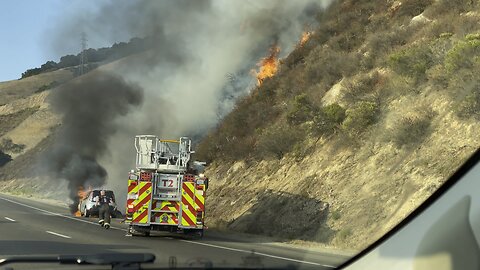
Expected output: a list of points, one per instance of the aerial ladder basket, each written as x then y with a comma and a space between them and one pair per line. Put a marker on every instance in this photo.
170, 156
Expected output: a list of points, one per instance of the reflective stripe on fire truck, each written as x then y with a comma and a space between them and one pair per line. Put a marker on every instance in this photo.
131, 193
165, 218
200, 197
188, 211
171, 206
141, 204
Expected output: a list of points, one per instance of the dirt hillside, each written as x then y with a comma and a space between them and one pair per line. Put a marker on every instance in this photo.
357, 128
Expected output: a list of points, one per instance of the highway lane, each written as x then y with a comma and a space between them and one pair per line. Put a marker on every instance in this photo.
29, 227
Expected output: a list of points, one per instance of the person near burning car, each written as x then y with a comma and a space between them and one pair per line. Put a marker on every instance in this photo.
104, 209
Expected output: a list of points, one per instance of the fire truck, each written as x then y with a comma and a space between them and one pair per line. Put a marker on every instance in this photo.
166, 192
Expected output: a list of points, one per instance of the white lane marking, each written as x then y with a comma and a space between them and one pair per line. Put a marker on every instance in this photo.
57, 234
257, 253
191, 242
57, 214
10, 219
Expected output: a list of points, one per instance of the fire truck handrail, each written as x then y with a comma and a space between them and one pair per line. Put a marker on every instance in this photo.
157, 154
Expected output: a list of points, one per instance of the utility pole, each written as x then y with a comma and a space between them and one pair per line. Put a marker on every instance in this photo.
83, 58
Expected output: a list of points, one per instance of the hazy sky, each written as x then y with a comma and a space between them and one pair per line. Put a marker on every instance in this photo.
25, 26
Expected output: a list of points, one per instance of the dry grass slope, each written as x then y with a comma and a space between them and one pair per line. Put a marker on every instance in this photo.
370, 117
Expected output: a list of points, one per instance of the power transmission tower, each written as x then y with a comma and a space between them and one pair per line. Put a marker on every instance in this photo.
83, 57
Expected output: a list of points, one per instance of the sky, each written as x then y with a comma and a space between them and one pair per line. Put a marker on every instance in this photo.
25, 28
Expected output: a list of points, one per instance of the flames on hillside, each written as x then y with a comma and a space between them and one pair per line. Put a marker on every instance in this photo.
305, 37
268, 65
82, 194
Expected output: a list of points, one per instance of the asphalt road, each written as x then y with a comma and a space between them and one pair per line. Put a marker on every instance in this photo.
29, 227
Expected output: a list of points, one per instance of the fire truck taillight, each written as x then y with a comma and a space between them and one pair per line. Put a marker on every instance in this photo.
130, 208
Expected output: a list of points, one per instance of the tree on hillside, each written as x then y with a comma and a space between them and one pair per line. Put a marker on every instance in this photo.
69, 60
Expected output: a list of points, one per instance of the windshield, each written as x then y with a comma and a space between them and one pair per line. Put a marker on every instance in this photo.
232, 133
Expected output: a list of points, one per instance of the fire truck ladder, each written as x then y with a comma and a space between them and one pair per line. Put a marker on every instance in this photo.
165, 156
167, 162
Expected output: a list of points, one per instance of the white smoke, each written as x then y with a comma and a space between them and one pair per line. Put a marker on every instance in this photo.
185, 76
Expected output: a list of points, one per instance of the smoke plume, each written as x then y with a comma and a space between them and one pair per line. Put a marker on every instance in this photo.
198, 65
88, 107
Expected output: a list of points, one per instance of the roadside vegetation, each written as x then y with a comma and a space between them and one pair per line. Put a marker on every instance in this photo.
374, 75
377, 52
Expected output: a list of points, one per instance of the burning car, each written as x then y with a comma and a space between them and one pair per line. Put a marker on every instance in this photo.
88, 204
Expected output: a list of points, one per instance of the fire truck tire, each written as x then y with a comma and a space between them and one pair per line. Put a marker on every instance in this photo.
135, 232
196, 234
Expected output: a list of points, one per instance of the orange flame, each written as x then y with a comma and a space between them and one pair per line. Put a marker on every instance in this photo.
305, 37
268, 65
82, 194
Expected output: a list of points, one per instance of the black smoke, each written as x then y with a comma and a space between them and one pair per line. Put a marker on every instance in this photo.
191, 47
89, 107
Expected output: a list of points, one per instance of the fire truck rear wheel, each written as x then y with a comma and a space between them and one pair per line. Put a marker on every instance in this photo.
197, 234
133, 232
200, 234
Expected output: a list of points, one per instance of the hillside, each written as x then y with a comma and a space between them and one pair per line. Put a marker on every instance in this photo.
26, 125
360, 124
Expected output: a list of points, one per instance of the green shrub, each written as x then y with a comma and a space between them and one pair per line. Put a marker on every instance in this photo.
358, 118
336, 215
344, 234
446, 35
440, 47
470, 105
464, 54
335, 113
412, 62
302, 110
412, 128
7, 145
327, 119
